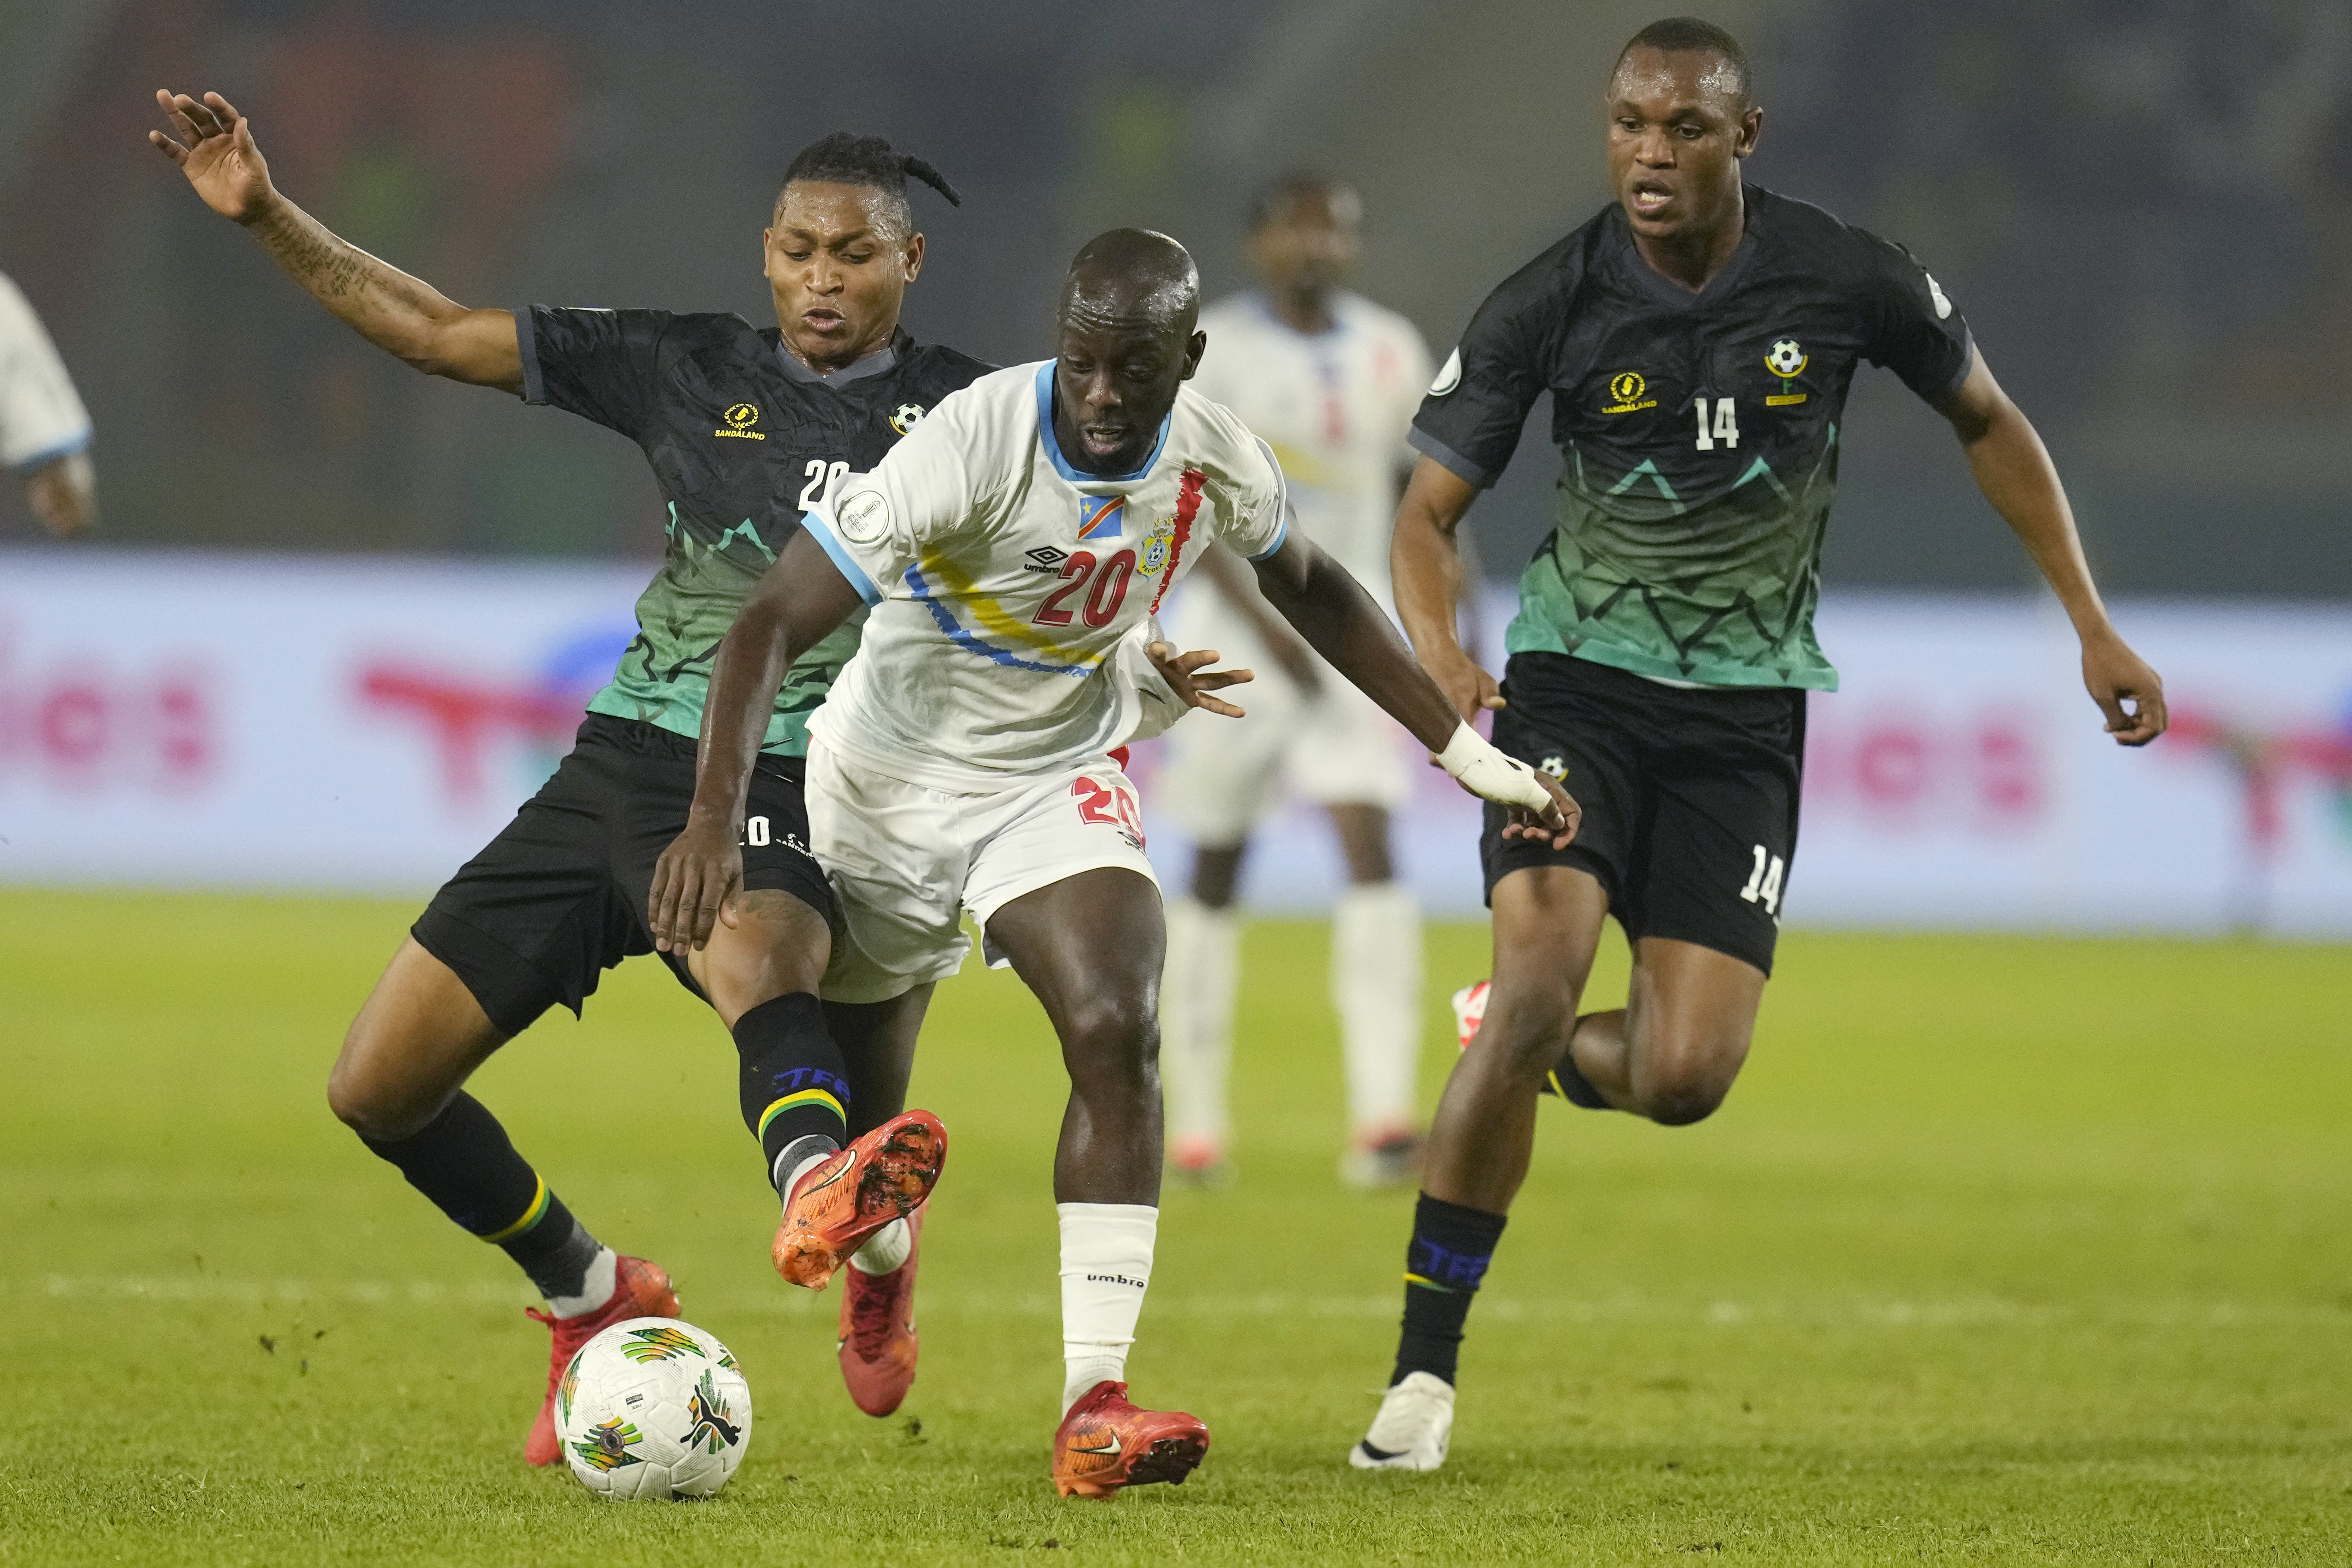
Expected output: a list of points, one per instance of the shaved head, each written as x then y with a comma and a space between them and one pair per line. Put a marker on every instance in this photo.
1134, 277
1129, 336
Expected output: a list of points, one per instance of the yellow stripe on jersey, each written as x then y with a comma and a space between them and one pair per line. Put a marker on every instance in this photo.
994, 617
530, 1217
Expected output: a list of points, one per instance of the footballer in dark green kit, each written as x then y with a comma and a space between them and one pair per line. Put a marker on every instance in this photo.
744, 428
1698, 337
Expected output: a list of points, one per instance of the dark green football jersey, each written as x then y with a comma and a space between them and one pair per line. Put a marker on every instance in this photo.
1698, 433
741, 437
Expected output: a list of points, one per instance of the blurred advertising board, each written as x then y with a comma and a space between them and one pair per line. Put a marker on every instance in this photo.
352, 723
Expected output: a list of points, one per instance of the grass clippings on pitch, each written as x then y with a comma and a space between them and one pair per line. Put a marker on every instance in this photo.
2001, 1251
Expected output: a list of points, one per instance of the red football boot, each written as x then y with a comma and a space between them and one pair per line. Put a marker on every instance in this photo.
640, 1290
878, 1346
857, 1192
1106, 1443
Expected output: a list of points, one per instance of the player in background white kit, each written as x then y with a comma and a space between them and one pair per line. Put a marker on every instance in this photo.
1331, 382
1014, 547
44, 429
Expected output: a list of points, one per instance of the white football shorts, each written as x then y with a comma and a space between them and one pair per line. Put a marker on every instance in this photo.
907, 860
1336, 748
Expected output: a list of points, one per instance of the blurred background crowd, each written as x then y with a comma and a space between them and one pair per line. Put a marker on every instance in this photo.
2144, 206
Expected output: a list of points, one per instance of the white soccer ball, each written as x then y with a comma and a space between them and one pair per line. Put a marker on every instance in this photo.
1786, 357
653, 1408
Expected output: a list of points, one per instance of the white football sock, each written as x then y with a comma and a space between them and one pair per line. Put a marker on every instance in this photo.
595, 1289
1106, 1266
885, 1251
799, 1157
1375, 989
1196, 1017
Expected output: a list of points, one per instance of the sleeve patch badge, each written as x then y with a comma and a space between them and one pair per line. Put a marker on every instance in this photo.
864, 518
1449, 375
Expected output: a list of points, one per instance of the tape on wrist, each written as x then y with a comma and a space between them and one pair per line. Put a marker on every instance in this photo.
1487, 774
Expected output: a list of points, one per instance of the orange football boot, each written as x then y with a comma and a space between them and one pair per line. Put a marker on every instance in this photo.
640, 1290
1106, 1443
857, 1192
878, 1346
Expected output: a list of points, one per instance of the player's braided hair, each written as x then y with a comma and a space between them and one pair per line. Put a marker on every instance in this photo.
846, 159
1681, 35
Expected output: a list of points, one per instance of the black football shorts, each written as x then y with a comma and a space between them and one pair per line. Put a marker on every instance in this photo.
558, 897
1689, 798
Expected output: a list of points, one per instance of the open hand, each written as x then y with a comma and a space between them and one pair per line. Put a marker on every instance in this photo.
216, 152
1187, 674
2114, 675
694, 884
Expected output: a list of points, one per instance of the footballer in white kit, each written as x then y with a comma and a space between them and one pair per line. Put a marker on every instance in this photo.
1331, 382
971, 757
1014, 549
44, 429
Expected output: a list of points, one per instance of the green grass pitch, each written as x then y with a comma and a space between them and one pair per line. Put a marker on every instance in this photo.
2002, 1250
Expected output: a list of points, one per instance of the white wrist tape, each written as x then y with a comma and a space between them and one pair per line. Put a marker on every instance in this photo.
1489, 775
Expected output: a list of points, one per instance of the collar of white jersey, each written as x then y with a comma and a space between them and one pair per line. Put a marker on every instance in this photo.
1053, 446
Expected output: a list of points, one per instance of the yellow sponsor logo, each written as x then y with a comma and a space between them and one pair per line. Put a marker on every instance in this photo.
740, 420
1782, 399
1627, 387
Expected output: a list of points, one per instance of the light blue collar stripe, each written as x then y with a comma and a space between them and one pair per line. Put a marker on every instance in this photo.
970, 644
820, 528
1053, 446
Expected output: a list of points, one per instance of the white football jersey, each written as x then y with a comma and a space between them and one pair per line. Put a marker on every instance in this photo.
1004, 581
1333, 405
40, 416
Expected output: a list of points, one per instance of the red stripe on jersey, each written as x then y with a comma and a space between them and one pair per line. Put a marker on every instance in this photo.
1188, 506
1118, 755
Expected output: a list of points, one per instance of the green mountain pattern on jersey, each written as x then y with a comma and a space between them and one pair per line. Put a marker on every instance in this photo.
1721, 593
683, 615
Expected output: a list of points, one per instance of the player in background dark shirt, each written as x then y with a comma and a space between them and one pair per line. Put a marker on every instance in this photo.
1698, 337
740, 427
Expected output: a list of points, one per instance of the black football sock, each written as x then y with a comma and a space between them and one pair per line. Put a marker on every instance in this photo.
795, 1085
464, 1162
1568, 1082
1451, 1248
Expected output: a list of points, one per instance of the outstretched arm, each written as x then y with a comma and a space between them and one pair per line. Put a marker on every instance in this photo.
1339, 620
397, 313
797, 601
1425, 556
2014, 471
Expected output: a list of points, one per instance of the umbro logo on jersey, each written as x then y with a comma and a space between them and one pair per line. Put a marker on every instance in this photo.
740, 419
1044, 558
1626, 393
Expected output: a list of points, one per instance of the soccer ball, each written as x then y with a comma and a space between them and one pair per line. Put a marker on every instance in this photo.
1786, 358
653, 1408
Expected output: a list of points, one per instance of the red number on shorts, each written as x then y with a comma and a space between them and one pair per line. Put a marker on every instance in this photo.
1112, 578
1075, 571
1109, 808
